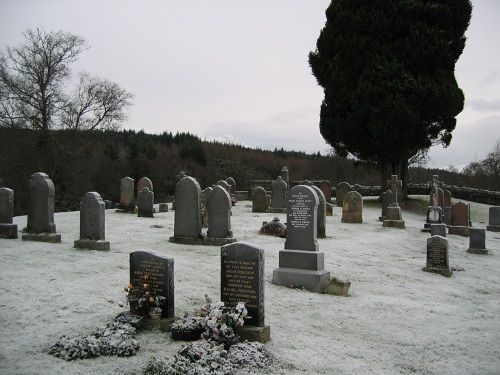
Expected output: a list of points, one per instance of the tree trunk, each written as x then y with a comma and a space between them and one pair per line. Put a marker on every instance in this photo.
385, 175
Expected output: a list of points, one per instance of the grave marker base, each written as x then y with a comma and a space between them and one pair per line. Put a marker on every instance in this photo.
100, 245
441, 271
186, 240
394, 224
252, 333
471, 250
42, 237
8, 231
314, 281
459, 230
493, 228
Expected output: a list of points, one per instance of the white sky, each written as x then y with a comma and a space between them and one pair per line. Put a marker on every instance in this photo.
239, 68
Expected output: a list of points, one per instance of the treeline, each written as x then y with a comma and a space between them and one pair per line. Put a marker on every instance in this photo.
79, 162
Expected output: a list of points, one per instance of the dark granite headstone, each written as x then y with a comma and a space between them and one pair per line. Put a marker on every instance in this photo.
41, 226
145, 203
477, 241
242, 279
219, 218
187, 220
342, 189
160, 277
300, 263
437, 256
259, 201
92, 223
7, 228
493, 219
352, 209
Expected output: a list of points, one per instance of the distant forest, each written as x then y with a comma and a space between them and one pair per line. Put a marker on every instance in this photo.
78, 162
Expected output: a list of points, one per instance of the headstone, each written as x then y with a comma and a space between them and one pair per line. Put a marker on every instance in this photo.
329, 209
434, 216
301, 263
163, 207
342, 189
386, 202
477, 241
242, 280
219, 218
225, 185
259, 200
321, 221
285, 175
7, 228
41, 226
460, 214
92, 223
447, 215
493, 219
438, 230
157, 272
232, 184
108, 204
205, 195
393, 213
446, 198
144, 182
437, 256
278, 195
440, 197
127, 201
326, 189
187, 218
145, 203
352, 210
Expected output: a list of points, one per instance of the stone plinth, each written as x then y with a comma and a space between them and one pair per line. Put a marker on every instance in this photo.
8, 231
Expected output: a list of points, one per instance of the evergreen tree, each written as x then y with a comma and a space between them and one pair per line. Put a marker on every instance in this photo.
387, 70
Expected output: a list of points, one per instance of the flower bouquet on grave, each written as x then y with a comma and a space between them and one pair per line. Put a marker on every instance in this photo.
143, 299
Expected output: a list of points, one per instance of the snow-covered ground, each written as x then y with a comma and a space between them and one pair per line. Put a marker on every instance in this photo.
396, 320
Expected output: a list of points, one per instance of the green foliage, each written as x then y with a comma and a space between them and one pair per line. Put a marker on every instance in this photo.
387, 70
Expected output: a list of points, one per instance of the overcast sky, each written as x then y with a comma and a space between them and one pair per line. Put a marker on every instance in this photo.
239, 68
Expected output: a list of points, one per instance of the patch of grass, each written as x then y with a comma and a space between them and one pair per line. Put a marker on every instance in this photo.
416, 205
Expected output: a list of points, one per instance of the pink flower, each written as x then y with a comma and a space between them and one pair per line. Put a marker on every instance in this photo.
215, 331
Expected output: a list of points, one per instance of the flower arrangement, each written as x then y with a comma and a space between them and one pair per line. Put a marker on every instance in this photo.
143, 299
215, 320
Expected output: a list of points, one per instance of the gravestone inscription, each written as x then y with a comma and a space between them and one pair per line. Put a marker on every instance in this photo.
157, 273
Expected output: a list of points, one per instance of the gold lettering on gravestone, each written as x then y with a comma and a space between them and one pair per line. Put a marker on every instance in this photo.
155, 271
240, 284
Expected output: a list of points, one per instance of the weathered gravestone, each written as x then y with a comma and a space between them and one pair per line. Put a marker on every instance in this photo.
386, 202
225, 185
232, 185
477, 241
437, 256
447, 207
278, 196
440, 197
301, 263
342, 189
144, 182
205, 196
321, 221
326, 189
493, 219
92, 223
438, 230
127, 201
219, 218
352, 209
7, 228
260, 201
285, 175
446, 198
460, 215
156, 274
242, 280
41, 226
187, 218
393, 213
145, 203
